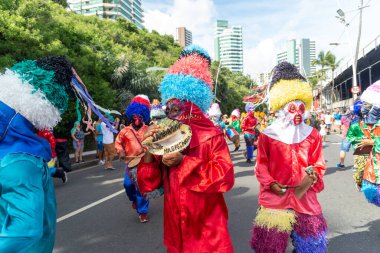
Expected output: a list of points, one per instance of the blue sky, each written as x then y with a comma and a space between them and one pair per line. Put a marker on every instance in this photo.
267, 24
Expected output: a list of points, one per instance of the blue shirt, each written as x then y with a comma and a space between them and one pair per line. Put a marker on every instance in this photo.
337, 116
99, 136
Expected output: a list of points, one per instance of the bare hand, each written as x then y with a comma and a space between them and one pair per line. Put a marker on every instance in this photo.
172, 159
148, 157
152, 130
278, 188
366, 142
314, 177
121, 155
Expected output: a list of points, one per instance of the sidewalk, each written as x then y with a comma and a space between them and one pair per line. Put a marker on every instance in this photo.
89, 158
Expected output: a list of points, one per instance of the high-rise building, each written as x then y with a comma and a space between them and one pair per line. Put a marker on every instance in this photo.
301, 55
184, 37
228, 45
110, 9
262, 78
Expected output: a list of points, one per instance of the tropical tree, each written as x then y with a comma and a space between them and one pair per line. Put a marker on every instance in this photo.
333, 65
326, 61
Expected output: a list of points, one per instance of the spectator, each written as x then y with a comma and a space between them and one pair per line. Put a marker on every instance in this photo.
78, 141
346, 121
109, 147
322, 130
122, 124
99, 141
328, 120
337, 120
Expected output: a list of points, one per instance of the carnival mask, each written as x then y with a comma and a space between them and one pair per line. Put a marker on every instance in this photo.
294, 112
373, 116
365, 109
175, 109
137, 120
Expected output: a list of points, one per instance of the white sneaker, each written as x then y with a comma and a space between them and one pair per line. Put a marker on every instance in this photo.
101, 162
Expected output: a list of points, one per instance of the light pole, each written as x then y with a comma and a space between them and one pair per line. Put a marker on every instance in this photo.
216, 79
342, 18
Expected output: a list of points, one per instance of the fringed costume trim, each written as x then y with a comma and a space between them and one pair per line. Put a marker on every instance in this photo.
371, 192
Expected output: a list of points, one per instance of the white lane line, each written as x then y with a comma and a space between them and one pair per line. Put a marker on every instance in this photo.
84, 169
69, 215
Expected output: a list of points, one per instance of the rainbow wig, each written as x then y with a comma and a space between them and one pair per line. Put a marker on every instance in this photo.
189, 78
371, 192
140, 106
288, 85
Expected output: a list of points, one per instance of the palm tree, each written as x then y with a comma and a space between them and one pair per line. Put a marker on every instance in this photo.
320, 75
326, 62
321, 61
333, 65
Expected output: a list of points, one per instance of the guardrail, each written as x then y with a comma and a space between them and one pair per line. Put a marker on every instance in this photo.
365, 50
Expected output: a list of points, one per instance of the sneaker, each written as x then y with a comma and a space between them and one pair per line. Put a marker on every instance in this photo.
143, 217
339, 165
112, 168
64, 177
249, 161
134, 205
101, 162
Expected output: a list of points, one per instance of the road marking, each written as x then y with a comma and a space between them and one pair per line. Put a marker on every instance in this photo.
117, 180
69, 215
80, 170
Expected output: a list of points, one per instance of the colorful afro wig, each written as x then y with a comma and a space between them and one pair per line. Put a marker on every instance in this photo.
249, 107
372, 94
189, 78
288, 85
139, 106
214, 111
40, 89
156, 111
236, 113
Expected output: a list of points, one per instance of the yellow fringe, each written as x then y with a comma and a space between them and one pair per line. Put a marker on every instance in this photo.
283, 220
286, 91
51, 164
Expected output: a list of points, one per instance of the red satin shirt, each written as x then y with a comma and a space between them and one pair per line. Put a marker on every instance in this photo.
128, 140
195, 213
248, 123
285, 164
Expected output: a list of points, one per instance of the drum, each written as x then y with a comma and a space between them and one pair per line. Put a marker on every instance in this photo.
135, 161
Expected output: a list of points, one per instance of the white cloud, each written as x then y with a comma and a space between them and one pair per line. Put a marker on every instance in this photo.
267, 24
260, 59
195, 15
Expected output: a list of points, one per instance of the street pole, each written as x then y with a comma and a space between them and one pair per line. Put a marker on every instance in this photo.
216, 79
354, 78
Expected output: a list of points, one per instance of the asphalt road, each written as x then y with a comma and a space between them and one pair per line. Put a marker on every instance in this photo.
95, 216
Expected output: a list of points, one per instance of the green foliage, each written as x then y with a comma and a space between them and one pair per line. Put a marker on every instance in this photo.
230, 88
111, 57
30, 29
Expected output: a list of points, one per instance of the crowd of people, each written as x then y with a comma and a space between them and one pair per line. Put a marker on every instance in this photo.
193, 168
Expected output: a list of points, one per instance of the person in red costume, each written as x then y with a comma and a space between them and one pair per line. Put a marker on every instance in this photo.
289, 168
54, 171
195, 213
250, 133
128, 146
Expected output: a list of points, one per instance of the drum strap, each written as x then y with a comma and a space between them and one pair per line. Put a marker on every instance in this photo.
133, 132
